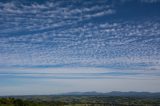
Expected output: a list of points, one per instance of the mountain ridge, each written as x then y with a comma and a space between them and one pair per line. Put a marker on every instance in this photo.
114, 93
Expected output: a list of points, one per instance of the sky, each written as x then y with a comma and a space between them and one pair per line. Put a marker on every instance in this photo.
58, 46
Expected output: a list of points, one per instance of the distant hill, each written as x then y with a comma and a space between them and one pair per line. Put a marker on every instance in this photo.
93, 93
115, 93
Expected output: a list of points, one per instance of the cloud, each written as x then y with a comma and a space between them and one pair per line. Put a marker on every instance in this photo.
59, 34
101, 44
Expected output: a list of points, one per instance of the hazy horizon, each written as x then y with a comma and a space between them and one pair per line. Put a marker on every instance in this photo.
59, 46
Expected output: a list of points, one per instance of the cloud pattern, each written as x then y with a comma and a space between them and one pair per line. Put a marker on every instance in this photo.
78, 33
79, 45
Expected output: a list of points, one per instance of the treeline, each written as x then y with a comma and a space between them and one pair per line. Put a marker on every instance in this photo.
20, 102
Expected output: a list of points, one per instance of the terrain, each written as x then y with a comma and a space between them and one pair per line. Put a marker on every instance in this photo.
85, 99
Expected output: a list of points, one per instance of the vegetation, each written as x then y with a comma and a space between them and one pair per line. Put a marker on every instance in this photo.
78, 101
20, 102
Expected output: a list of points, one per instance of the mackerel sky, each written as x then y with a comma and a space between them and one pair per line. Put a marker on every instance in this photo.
56, 46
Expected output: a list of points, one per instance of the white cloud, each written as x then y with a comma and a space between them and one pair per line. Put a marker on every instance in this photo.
58, 36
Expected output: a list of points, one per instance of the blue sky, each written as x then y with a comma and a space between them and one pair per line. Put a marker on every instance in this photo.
79, 45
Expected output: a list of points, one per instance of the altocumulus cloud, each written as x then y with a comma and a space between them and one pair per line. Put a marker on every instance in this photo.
78, 39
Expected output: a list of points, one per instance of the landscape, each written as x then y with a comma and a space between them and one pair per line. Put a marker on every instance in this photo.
85, 99
79, 52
